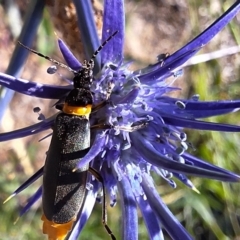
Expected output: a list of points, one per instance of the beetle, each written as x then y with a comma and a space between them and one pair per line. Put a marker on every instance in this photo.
64, 189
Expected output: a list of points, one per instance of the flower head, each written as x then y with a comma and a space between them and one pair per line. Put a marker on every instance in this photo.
145, 128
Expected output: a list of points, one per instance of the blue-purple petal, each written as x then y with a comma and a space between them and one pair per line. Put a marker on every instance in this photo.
31, 180
150, 219
167, 70
202, 109
70, 59
129, 98
129, 210
184, 179
182, 55
200, 163
203, 38
36, 196
177, 121
33, 129
150, 154
169, 222
95, 149
33, 89
113, 20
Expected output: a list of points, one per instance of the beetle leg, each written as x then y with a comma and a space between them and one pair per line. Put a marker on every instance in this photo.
104, 207
134, 127
99, 106
104, 103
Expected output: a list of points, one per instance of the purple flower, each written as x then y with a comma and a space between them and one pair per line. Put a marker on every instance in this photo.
124, 158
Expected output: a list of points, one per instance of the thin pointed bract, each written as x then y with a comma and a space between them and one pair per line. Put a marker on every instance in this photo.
139, 129
33, 199
149, 153
33, 89
169, 222
27, 131
70, 59
129, 210
31, 180
113, 52
150, 219
182, 55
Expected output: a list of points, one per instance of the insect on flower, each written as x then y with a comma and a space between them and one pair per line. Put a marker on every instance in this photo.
63, 188
64, 185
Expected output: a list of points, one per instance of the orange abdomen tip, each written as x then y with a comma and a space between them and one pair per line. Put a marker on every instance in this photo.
56, 231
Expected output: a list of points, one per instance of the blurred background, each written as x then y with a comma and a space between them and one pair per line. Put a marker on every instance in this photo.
152, 27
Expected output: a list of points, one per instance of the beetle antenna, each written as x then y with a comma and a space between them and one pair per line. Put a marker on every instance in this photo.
48, 58
90, 62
